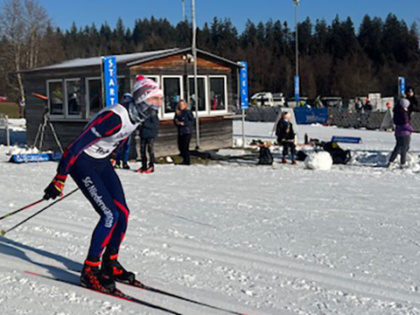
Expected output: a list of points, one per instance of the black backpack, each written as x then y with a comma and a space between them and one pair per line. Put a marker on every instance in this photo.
266, 158
339, 156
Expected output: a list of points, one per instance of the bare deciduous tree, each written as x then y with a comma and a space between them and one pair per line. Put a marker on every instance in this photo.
22, 25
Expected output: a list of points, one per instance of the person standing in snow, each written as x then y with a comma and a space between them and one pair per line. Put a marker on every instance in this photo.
124, 150
286, 136
148, 133
414, 105
87, 161
403, 130
184, 120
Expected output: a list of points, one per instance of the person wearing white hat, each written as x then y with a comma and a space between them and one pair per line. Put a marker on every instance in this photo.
87, 161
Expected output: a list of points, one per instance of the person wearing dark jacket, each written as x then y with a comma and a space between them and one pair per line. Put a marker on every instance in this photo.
414, 105
184, 121
148, 133
87, 161
403, 130
124, 151
286, 136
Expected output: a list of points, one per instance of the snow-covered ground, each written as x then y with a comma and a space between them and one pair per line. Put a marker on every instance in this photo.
253, 239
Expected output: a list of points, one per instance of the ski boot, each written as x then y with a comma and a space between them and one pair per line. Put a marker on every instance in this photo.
151, 169
113, 269
93, 278
125, 166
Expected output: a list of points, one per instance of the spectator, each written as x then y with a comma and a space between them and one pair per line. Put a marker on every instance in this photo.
184, 121
124, 150
148, 133
122, 155
368, 106
286, 136
359, 105
414, 106
403, 130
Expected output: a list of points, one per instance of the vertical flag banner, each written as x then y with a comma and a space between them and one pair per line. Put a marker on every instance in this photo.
401, 85
297, 90
110, 80
244, 84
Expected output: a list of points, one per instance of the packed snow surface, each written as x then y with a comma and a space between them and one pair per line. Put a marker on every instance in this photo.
277, 239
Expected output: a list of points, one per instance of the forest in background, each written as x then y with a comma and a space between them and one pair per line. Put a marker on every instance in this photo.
336, 59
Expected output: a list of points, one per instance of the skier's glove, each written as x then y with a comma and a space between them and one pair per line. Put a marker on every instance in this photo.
55, 188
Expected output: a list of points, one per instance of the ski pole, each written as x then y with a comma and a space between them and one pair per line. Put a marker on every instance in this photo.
3, 232
21, 209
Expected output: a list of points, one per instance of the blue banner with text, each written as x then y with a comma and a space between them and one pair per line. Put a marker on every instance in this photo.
110, 81
305, 116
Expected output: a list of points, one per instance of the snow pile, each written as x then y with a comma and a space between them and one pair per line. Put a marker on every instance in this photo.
319, 161
17, 124
238, 142
18, 150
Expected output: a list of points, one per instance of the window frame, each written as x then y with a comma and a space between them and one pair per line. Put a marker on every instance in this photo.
66, 112
181, 86
225, 110
87, 88
206, 111
49, 99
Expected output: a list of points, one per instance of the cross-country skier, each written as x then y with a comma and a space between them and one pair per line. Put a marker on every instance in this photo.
87, 160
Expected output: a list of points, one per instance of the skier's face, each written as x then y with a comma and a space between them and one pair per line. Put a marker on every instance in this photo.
154, 100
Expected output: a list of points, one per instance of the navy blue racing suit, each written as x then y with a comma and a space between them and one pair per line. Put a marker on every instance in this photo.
87, 160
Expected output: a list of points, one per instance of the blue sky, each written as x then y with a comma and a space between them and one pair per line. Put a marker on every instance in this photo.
85, 12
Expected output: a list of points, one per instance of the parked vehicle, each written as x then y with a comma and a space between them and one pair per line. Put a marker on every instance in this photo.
268, 99
279, 99
332, 101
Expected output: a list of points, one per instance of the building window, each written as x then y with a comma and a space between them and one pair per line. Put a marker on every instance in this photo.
154, 78
94, 96
172, 91
73, 97
218, 93
122, 89
201, 90
55, 97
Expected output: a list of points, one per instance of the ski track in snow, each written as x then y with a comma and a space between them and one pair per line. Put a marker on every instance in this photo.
259, 240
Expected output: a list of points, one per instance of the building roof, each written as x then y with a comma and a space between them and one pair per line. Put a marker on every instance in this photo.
128, 59
180, 51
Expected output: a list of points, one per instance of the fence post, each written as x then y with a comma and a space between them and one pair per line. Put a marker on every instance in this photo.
7, 133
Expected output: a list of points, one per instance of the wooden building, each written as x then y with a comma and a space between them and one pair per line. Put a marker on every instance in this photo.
74, 94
